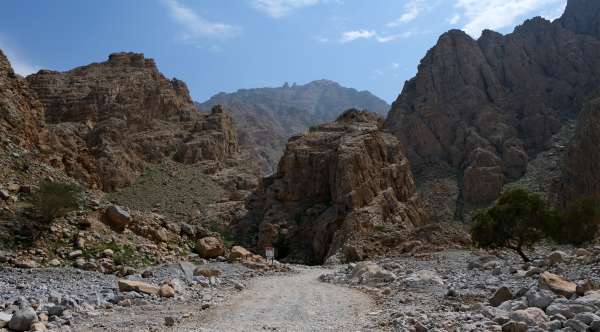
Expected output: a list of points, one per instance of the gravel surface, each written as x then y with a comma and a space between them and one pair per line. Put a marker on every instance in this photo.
298, 302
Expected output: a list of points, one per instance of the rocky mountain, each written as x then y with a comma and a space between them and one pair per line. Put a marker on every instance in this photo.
107, 119
478, 110
339, 189
581, 166
21, 114
267, 117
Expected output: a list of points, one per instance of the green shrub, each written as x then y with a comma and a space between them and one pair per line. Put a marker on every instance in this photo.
577, 224
55, 199
516, 221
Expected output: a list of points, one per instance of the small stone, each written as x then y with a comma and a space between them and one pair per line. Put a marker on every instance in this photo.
580, 252
239, 286
75, 254
39, 327
137, 286
108, 253
147, 274
513, 326
4, 195
54, 263
169, 321
576, 325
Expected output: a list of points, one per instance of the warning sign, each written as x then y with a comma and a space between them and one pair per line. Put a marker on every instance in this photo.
270, 253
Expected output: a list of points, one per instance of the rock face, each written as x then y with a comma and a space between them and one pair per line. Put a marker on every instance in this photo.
477, 110
21, 114
107, 118
581, 168
267, 117
334, 187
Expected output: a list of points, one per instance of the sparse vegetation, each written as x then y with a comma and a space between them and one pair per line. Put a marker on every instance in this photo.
516, 221
55, 199
123, 254
577, 224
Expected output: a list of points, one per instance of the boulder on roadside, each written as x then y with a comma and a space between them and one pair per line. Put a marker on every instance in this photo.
116, 217
239, 252
137, 286
370, 273
557, 284
210, 247
531, 317
22, 319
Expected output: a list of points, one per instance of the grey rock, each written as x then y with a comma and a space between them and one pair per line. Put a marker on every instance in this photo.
22, 319
539, 298
513, 326
586, 317
501, 295
576, 325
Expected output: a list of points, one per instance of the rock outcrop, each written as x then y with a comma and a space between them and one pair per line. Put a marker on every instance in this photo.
336, 186
267, 117
581, 166
479, 109
107, 118
21, 114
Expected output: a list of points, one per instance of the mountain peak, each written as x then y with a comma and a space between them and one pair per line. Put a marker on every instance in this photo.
582, 17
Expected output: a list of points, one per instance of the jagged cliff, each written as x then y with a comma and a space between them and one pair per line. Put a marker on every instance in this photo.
21, 114
336, 186
267, 117
478, 110
106, 119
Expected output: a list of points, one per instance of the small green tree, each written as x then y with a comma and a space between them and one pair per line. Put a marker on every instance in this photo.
55, 199
579, 223
515, 222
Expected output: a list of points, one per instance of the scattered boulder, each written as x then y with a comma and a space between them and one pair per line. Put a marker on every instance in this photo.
210, 247
137, 286
166, 291
207, 272
238, 252
424, 278
22, 319
531, 317
117, 218
38, 327
370, 273
539, 298
557, 284
513, 326
501, 295
556, 257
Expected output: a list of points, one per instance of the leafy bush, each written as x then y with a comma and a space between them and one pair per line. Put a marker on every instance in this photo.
55, 199
516, 221
577, 224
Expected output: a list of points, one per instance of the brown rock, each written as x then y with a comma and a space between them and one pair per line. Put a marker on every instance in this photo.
333, 185
166, 291
207, 272
238, 252
501, 295
557, 284
137, 286
210, 247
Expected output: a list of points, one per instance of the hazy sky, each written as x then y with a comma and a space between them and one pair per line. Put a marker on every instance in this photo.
224, 45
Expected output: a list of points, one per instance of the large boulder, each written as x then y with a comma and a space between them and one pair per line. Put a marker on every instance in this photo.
239, 252
557, 284
371, 273
210, 247
22, 319
116, 217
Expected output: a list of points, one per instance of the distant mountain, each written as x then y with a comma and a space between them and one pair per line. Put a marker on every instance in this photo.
267, 117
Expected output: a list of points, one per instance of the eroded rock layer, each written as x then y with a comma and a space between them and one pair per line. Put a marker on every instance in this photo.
107, 118
480, 109
335, 186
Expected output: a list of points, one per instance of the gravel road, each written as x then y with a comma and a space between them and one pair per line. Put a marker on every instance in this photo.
297, 302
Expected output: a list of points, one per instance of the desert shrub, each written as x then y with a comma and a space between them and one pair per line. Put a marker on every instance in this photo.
577, 224
55, 199
516, 221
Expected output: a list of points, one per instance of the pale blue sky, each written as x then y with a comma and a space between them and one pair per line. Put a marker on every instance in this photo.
224, 45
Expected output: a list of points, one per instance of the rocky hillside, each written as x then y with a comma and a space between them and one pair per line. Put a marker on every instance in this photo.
107, 119
267, 117
581, 168
478, 110
340, 190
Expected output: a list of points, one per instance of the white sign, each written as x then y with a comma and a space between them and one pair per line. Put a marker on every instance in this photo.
270, 252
